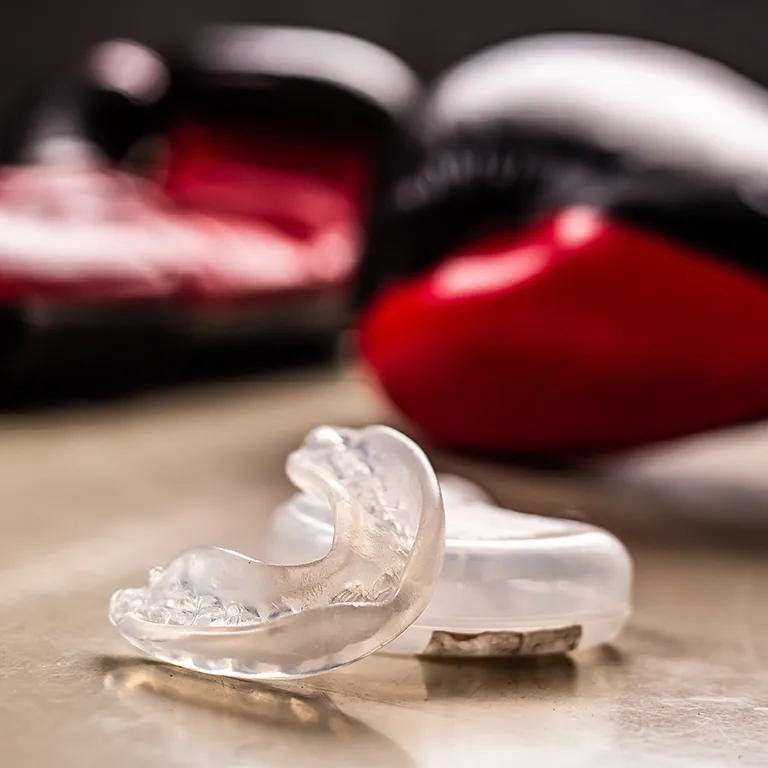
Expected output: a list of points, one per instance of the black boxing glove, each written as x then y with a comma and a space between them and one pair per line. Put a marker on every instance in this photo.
229, 174
572, 255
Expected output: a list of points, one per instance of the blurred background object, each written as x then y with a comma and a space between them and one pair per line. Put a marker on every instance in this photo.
214, 189
135, 86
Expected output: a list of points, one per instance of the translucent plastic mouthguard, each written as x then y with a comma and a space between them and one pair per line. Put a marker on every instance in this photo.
220, 612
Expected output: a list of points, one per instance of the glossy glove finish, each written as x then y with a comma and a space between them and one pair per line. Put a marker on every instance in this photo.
575, 333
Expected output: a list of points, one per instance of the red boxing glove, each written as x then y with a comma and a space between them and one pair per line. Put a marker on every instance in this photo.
573, 257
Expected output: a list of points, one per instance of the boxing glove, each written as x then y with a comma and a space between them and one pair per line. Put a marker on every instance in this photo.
571, 255
222, 185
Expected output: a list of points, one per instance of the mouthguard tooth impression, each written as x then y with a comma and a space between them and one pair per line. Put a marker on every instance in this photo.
220, 612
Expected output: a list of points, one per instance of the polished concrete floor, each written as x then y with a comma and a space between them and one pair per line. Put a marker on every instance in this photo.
90, 498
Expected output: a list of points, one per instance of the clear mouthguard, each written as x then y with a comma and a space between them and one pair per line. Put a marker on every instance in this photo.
220, 612
511, 584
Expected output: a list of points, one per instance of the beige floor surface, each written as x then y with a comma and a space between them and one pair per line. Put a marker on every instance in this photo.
90, 498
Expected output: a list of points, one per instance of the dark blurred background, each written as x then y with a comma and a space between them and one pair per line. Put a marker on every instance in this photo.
40, 35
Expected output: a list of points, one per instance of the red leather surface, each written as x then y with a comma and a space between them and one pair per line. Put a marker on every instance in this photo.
575, 334
294, 180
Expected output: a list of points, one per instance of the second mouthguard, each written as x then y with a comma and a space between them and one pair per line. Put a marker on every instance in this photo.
511, 583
